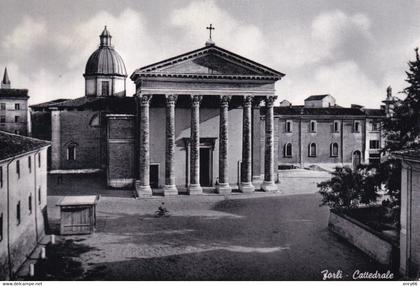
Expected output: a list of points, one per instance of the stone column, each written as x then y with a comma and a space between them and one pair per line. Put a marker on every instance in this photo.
170, 185
143, 184
268, 184
246, 185
223, 187
194, 186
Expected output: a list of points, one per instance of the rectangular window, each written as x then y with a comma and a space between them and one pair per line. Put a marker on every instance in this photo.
312, 126
375, 126
39, 160
16, 119
30, 164
289, 126
2, 106
1, 176
336, 127
17, 106
71, 153
30, 203
18, 212
374, 144
105, 88
39, 195
2, 119
356, 127
18, 168
1, 226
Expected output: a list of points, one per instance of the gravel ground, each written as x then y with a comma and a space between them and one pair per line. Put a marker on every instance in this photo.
240, 237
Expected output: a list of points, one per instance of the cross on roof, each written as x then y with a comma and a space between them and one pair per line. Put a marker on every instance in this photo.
210, 28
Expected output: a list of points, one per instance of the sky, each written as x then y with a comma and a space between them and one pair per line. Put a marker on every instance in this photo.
352, 50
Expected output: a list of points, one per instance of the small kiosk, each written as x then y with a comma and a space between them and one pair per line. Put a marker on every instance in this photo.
77, 214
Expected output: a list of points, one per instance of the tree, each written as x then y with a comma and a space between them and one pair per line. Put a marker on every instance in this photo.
403, 128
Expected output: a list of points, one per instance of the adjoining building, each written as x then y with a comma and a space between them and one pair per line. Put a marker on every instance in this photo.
321, 133
410, 213
13, 107
23, 199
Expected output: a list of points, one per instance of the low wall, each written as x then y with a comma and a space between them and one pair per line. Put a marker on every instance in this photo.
371, 242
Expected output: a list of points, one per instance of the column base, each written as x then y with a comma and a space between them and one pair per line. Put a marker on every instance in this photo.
143, 191
223, 189
269, 186
170, 190
246, 187
194, 189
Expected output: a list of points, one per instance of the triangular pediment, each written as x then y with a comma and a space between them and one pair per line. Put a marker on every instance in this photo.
208, 62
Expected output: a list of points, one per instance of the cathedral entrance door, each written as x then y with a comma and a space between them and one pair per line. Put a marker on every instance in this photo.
205, 166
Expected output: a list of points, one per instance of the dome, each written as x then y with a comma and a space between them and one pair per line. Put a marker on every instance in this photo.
105, 60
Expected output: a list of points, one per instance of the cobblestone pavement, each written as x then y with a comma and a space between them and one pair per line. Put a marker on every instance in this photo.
239, 237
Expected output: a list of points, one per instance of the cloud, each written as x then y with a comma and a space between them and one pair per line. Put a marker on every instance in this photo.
26, 35
243, 38
343, 80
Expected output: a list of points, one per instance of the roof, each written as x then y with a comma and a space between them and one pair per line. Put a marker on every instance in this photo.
334, 111
48, 103
317, 97
112, 103
77, 201
105, 60
13, 93
6, 79
151, 69
13, 145
410, 154
374, 112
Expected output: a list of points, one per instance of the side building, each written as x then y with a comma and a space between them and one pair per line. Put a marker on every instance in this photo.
321, 133
23, 199
13, 107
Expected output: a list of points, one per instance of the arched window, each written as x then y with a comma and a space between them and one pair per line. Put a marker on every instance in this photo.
334, 150
287, 151
94, 121
312, 150
71, 152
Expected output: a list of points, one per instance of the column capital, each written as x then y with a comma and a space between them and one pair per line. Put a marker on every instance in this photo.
196, 100
269, 101
171, 99
256, 102
247, 100
224, 100
145, 99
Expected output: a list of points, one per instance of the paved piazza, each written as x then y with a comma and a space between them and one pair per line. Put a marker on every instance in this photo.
210, 237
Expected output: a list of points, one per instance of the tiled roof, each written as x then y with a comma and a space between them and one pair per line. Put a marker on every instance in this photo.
317, 97
12, 145
300, 110
408, 154
13, 92
111, 103
48, 103
374, 112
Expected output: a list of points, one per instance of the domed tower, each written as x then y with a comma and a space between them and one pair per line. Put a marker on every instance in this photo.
105, 72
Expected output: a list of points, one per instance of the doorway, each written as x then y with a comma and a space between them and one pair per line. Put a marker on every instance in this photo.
205, 167
154, 176
357, 159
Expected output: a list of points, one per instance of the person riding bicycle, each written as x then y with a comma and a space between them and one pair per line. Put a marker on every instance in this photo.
162, 211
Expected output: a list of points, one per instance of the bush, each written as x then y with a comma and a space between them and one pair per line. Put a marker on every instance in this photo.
349, 189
